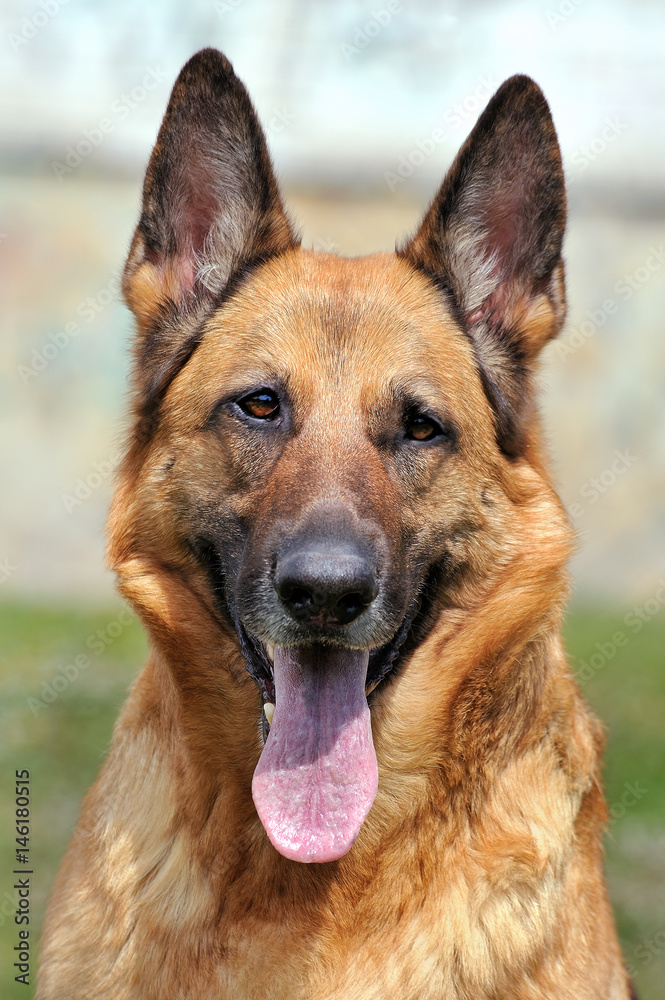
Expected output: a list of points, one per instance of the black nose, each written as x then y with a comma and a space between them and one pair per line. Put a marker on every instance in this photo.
325, 584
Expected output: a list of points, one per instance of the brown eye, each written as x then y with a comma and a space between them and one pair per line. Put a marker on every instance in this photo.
421, 428
263, 405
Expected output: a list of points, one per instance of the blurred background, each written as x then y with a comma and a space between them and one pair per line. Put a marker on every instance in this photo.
364, 106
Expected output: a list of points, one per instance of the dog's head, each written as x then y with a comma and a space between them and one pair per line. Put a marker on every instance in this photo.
332, 453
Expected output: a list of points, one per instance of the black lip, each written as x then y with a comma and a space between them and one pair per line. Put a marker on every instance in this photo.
257, 662
383, 660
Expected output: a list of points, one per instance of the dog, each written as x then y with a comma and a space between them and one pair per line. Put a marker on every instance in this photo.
356, 765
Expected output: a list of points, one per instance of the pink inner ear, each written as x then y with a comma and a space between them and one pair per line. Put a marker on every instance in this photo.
200, 206
187, 274
503, 221
503, 231
501, 246
495, 307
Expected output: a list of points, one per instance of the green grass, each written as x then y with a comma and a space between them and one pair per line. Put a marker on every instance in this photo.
62, 742
627, 690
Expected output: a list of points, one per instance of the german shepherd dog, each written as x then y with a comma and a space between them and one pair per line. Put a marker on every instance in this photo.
356, 765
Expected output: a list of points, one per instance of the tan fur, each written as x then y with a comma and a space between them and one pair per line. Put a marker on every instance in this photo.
478, 872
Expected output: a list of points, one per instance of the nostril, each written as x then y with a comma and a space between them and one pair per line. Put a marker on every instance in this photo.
349, 607
297, 598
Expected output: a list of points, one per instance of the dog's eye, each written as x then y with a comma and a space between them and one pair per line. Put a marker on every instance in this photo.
263, 405
421, 428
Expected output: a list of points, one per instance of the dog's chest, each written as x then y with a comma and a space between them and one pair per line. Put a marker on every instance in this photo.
449, 945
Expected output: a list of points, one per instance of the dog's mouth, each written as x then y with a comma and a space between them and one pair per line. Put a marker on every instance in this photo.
317, 776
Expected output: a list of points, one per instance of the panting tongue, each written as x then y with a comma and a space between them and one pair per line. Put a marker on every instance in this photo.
317, 776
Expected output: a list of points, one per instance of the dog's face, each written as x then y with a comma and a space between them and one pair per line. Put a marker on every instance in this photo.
323, 451
330, 452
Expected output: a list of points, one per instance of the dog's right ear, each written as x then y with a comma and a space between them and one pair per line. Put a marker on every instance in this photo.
211, 210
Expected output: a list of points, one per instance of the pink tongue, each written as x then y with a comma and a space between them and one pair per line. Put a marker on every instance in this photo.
317, 776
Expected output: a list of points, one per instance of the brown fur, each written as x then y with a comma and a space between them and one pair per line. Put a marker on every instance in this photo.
478, 873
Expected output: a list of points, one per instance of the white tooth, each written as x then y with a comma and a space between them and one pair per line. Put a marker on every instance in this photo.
270, 650
269, 710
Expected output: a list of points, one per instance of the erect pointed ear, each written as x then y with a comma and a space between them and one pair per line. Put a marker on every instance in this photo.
492, 239
211, 210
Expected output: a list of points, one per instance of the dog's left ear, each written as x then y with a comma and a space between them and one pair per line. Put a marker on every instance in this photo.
492, 240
